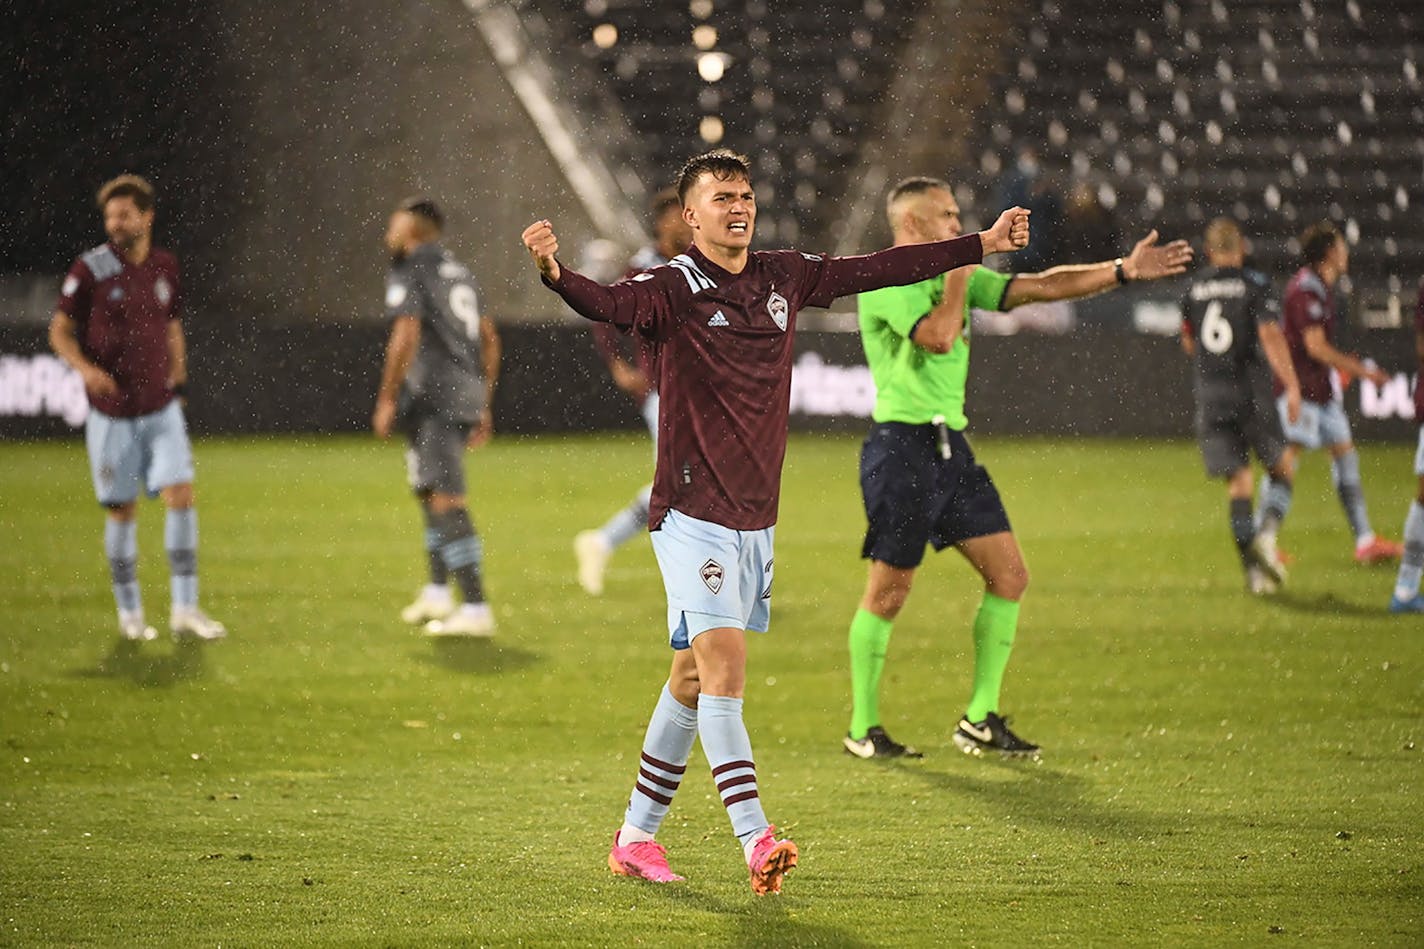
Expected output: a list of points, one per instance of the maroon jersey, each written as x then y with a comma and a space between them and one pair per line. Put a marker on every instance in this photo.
1419, 379
724, 361
122, 311
1308, 302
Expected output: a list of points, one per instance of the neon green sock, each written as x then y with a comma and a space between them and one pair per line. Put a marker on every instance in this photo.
869, 638
994, 627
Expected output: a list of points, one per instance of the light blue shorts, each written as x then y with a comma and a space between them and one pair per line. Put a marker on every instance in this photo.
1319, 424
151, 451
715, 577
1419, 454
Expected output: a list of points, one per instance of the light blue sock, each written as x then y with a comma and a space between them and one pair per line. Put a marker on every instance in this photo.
1411, 565
121, 547
1346, 472
666, 747
729, 752
629, 522
180, 537
1274, 504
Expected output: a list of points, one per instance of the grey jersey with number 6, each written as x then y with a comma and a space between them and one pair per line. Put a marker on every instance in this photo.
1220, 311
446, 376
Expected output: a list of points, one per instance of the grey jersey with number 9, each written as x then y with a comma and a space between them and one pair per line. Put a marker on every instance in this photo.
1221, 310
446, 376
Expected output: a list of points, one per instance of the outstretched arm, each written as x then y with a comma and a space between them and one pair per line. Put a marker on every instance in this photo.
1321, 350
911, 263
633, 303
1148, 261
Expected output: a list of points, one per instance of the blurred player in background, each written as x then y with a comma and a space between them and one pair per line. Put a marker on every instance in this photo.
919, 479
723, 319
119, 324
1309, 323
1406, 598
441, 368
1229, 320
637, 378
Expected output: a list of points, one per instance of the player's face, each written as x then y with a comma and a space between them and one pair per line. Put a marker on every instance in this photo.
937, 216
125, 224
1341, 255
399, 234
721, 212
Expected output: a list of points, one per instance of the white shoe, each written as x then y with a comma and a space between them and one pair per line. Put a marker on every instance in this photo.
471, 619
189, 622
1263, 549
433, 603
134, 629
1259, 582
592, 552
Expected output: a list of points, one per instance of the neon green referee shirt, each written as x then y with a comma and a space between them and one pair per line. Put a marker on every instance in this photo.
913, 384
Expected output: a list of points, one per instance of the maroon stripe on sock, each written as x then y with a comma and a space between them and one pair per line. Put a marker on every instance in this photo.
663, 765
733, 782
739, 798
732, 766
658, 779
662, 799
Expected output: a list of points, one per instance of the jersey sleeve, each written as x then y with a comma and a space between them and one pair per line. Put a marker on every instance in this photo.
987, 289
1265, 308
645, 303
401, 294
1307, 305
824, 279
900, 308
76, 292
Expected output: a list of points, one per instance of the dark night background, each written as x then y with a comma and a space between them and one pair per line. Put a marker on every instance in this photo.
94, 90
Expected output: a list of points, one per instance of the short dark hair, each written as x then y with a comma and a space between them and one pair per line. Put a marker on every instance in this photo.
721, 163
136, 187
917, 185
1316, 242
425, 209
664, 199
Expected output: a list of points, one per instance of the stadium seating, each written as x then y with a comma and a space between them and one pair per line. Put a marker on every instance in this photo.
1280, 113
796, 86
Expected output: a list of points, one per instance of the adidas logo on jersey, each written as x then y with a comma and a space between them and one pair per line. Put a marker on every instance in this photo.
718, 319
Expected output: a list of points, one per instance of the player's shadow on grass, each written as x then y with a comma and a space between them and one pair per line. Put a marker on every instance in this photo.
761, 920
1045, 796
476, 656
1322, 604
146, 666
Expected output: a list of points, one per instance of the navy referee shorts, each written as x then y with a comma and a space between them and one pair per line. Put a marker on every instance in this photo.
915, 496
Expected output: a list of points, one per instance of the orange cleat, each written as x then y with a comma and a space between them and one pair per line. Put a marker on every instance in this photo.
1378, 550
770, 861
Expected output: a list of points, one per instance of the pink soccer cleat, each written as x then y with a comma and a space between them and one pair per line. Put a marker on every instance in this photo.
770, 861
646, 860
1378, 550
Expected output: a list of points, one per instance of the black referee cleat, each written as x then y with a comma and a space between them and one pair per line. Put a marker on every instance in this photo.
992, 735
877, 744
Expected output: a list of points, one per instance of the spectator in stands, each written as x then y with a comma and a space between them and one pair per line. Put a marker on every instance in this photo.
1026, 185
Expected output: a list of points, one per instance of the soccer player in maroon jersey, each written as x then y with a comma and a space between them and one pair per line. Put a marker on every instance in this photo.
723, 317
593, 548
118, 324
1308, 319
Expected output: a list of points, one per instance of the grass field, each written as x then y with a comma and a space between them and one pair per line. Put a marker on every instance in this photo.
1217, 769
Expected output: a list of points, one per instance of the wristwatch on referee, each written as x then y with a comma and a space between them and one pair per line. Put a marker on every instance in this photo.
1122, 276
